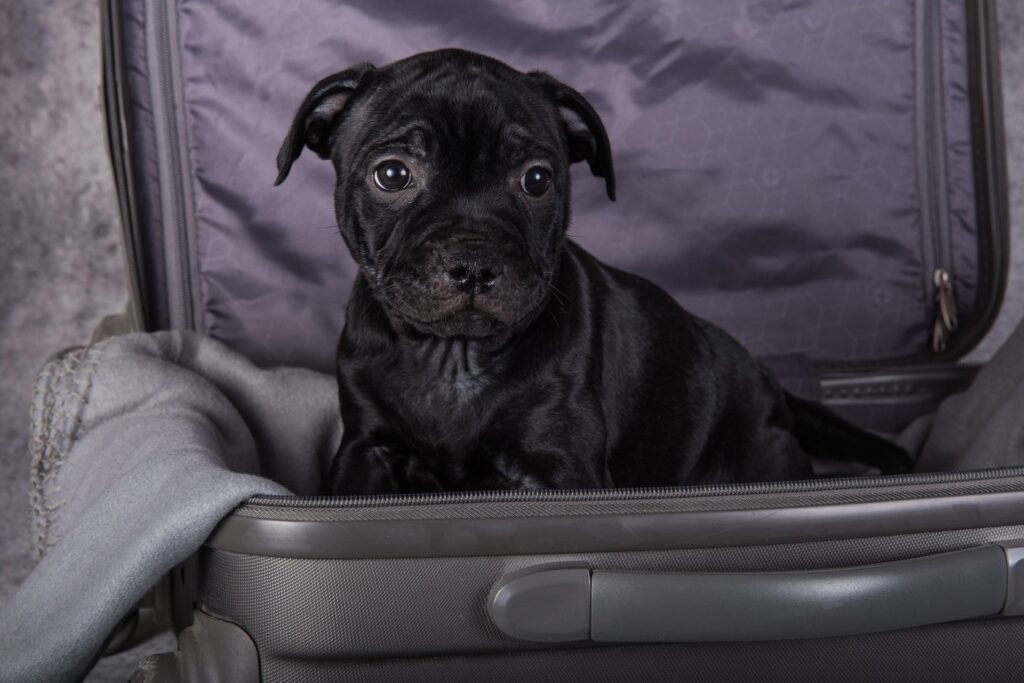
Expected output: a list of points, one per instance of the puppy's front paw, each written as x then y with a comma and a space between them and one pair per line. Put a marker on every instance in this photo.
406, 473
362, 469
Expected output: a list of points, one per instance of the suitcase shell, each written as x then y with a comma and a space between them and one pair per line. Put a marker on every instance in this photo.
834, 159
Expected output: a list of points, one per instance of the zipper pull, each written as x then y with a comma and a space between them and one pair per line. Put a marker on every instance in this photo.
946, 321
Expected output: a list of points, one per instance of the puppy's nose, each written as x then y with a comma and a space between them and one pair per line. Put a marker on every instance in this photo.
473, 277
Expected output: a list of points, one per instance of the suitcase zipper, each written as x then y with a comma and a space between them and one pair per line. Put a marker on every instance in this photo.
181, 284
931, 142
113, 90
992, 210
628, 494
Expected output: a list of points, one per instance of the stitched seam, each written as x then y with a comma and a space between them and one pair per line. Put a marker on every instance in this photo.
59, 399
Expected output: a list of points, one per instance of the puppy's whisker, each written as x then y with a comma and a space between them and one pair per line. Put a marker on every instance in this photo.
558, 321
560, 296
372, 299
403, 308
560, 292
381, 296
332, 226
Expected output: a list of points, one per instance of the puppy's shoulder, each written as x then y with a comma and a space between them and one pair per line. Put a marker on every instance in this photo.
625, 291
641, 308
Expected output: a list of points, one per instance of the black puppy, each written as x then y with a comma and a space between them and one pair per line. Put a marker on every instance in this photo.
482, 349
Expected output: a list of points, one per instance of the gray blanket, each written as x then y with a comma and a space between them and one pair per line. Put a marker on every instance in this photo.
141, 444
982, 427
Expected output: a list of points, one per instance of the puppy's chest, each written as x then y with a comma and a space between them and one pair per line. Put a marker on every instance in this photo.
439, 394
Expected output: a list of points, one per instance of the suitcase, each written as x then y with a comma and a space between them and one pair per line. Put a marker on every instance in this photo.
824, 179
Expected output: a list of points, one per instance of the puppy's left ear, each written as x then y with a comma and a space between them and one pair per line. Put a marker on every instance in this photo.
588, 140
315, 119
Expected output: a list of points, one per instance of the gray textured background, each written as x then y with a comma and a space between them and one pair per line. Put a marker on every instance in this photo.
60, 260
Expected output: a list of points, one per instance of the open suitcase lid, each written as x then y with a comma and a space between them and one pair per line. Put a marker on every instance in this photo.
805, 175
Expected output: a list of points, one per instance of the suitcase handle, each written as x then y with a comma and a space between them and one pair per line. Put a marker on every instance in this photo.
562, 605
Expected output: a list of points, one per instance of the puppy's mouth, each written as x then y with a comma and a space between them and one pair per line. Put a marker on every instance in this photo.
469, 322
470, 317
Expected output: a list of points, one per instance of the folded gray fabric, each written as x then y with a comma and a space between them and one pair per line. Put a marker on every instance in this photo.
982, 427
141, 445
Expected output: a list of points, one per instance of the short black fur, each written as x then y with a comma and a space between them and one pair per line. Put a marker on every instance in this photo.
482, 349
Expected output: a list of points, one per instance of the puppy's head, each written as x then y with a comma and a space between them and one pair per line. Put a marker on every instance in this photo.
452, 183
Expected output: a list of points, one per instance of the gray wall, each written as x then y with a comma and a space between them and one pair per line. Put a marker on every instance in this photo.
60, 260
60, 257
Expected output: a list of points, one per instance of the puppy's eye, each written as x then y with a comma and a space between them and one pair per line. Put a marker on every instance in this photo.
392, 176
536, 181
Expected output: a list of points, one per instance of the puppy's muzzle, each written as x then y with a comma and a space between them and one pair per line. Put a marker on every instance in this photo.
465, 283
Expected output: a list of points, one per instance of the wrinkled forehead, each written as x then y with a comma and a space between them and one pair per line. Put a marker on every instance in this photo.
447, 112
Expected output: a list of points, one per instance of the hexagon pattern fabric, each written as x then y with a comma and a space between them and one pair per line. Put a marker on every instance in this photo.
764, 149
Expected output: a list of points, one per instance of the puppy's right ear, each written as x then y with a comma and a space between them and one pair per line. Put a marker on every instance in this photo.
314, 121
